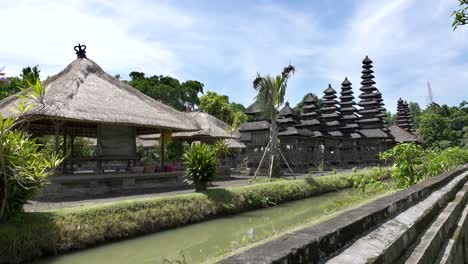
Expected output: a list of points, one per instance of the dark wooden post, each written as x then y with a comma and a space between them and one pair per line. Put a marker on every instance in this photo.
64, 150
163, 146
57, 128
72, 151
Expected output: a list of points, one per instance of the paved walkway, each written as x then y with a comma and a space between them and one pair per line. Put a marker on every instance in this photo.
45, 205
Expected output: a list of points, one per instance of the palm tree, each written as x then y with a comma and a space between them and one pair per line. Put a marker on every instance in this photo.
270, 96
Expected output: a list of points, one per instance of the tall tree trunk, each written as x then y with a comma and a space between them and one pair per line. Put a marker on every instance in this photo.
274, 161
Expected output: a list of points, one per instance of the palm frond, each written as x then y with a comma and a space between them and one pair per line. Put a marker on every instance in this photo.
256, 83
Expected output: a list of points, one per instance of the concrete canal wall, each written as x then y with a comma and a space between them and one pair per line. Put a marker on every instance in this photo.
426, 222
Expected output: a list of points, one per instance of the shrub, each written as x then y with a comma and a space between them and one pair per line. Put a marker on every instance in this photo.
407, 158
201, 161
412, 163
24, 164
370, 180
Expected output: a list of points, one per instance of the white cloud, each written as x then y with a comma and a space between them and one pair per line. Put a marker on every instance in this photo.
410, 42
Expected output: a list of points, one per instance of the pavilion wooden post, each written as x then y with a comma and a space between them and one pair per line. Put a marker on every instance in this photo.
72, 150
163, 146
56, 134
64, 150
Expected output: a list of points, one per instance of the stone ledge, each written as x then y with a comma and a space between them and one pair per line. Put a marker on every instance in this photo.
456, 249
390, 240
430, 243
318, 242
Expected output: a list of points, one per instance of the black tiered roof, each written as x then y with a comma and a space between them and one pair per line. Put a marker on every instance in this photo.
403, 118
371, 121
329, 113
309, 117
287, 116
347, 110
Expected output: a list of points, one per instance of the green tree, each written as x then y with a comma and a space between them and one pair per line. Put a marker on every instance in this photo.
415, 110
298, 107
217, 105
390, 118
460, 15
237, 107
12, 85
270, 96
168, 90
433, 128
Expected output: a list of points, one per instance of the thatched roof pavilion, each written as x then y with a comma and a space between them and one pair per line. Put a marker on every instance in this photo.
211, 129
83, 95
84, 101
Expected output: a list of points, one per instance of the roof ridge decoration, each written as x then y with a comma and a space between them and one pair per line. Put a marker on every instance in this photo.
80, 51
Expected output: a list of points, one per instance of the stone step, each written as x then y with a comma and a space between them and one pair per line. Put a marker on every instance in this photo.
429, 245
455, 250
388, 242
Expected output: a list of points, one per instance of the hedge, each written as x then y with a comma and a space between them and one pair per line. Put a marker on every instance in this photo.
47, 233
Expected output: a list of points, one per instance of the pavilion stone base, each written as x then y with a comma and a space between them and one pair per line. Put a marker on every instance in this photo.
88, 185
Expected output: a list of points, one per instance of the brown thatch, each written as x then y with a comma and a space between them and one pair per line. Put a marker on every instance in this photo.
254, 126
84, 93
210, 128
401, 135
234, 144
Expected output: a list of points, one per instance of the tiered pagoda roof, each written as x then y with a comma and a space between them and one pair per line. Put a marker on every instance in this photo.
254, 112
371, 121
287, 116
382, 111
329, 113
410, 117
309, 117
403, 117
347, 110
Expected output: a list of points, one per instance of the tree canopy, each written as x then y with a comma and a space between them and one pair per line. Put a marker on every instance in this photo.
168, 90
12, 85
298, 107
219, 106
443, 126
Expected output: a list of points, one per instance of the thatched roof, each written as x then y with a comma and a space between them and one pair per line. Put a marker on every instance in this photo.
84, 93
401, 135
232, 143
292, 131
252, 109
254, 126
373, 133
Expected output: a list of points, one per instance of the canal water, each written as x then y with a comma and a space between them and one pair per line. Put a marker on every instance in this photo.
199, 242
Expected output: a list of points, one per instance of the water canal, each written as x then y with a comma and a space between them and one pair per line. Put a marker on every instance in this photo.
199, 242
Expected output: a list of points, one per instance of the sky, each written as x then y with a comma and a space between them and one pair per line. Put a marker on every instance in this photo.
223, 44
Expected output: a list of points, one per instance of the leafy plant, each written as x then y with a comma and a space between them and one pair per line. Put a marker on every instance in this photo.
407, 160
373, 180
24, 164
201, 161
333, 171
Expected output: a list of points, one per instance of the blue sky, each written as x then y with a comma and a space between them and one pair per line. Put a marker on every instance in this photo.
225, 43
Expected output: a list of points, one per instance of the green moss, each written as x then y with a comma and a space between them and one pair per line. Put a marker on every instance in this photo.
34, 234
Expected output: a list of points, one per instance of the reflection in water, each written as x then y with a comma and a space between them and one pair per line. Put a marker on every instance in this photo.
204, 240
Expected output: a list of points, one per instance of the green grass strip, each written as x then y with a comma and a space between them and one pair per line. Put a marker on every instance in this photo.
46, 233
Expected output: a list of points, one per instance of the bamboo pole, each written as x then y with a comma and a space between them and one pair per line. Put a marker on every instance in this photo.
287, 164
261, 160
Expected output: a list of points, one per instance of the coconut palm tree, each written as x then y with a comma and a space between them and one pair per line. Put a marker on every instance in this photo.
270, 96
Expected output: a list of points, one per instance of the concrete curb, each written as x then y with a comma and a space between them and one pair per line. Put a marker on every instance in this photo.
316, 243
